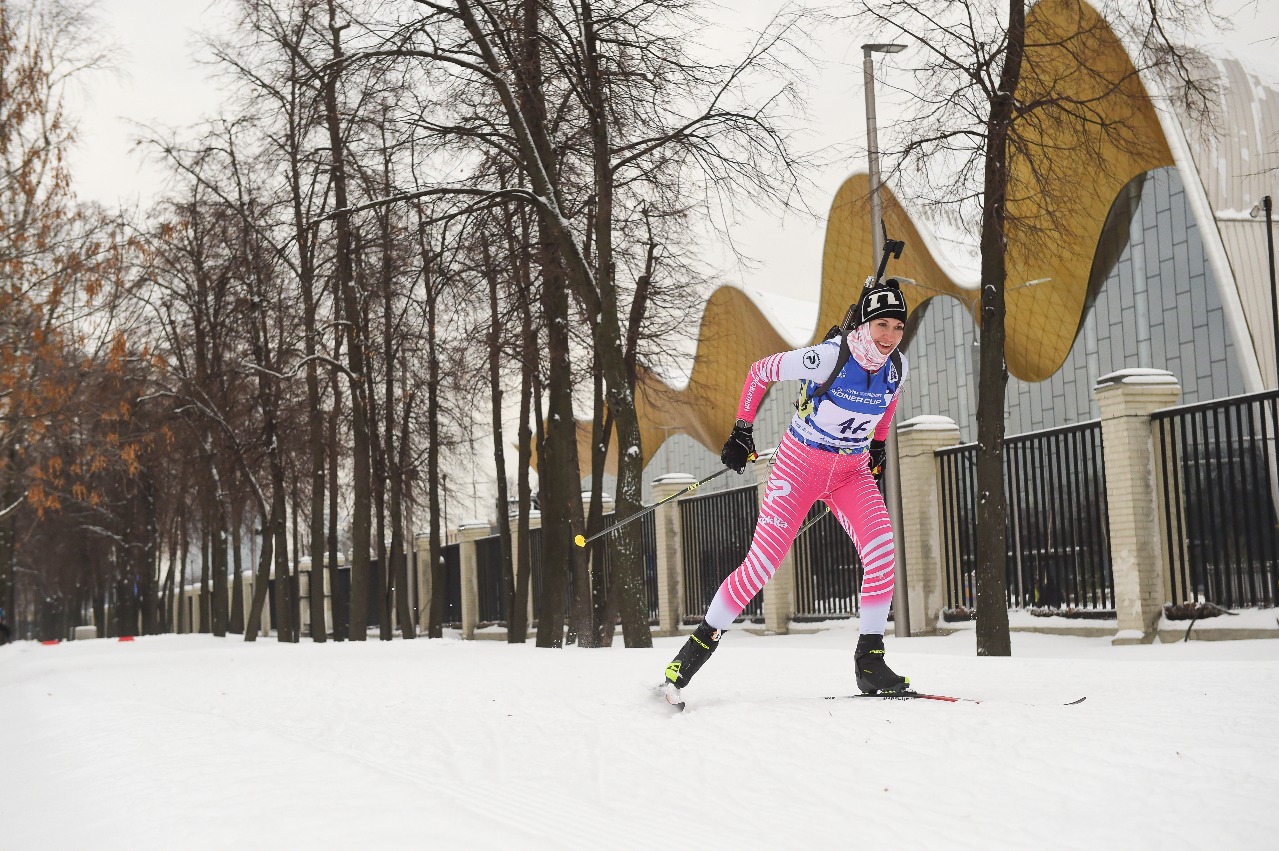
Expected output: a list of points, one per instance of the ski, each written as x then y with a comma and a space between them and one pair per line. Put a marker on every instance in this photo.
917, 695
674, 701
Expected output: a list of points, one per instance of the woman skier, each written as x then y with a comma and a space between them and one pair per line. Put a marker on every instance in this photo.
832, 451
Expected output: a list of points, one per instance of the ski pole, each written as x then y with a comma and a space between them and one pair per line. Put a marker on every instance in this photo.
581, 541
811, 523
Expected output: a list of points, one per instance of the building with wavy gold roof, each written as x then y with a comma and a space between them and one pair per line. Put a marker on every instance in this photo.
1159, 266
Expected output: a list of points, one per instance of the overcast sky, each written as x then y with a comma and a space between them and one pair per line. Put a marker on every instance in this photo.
162, 82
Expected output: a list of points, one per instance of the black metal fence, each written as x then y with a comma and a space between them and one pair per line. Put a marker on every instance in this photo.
489, 567
717, 531
452, 556
828, 572
535, 562
488, 570
1058, 546
603, 554
1219, 486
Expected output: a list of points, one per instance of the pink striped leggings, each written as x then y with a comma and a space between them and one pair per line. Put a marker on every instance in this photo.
800, 476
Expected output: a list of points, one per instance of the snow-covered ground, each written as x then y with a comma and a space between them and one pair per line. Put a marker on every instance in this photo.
194, 742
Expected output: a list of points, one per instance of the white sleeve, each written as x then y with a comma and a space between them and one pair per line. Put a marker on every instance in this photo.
814, 363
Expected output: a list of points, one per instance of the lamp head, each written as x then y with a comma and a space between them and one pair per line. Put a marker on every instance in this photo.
883, 48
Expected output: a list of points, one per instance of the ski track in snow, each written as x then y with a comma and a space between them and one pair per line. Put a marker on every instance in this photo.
196, 742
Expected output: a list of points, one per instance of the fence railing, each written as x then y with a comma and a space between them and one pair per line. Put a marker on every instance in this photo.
452, 556
488, 555
602, 554
717, 531
957, 479
1219, 485
1057, 544
828, 572
489, 580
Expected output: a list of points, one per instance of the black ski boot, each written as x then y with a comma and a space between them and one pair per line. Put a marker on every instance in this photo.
873, 674
699, 647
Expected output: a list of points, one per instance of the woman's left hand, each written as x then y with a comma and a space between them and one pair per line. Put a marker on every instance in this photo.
878, 455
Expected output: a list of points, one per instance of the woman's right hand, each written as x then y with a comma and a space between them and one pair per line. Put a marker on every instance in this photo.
740, 447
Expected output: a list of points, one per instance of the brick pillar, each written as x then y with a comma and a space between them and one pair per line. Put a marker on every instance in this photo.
304, 597
534, 522
779, 593
467, 535
422, 545
1127, 398
327, 585
917, 439
670, 552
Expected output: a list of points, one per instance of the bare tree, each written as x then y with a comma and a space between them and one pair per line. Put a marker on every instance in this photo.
51, 249
631, 112
275, 82
1008, 107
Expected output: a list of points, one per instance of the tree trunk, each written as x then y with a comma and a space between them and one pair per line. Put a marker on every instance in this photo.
237, 560
219, 545
295, 583
183, 625
395, 460
992, 508
8, 554
559, 480
315, 445
99, 612
279, 536
167, 623
627, 541
435, 620
398, 557
601, 431
339, 598
355, 346
517, 606
150, 557
261, 584
378, 465
316, 429
499, 441
206, 607
286, 629
390, 472
559, 477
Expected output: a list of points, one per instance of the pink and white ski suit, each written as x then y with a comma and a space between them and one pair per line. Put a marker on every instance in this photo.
822, 456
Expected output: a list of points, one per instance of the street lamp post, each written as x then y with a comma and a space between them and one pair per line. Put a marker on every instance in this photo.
1266, 206
892, 478
872, 142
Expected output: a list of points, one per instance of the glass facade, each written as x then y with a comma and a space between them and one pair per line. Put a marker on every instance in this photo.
1154, 304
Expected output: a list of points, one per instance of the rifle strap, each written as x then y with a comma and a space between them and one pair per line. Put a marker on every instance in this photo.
841, 361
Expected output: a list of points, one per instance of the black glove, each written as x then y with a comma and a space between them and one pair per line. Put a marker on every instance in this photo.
739, 448
878, 454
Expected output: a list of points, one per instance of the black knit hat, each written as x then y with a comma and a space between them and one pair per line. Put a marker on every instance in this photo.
882, 301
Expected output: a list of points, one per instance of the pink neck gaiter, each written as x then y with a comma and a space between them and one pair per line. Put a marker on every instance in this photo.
864, 350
